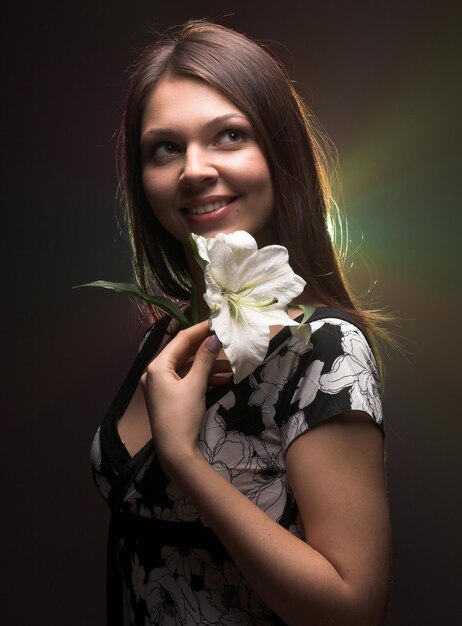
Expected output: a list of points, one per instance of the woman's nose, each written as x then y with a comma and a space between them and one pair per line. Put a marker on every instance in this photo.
198, 166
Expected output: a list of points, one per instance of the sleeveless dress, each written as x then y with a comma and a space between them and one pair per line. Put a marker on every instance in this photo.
165, 566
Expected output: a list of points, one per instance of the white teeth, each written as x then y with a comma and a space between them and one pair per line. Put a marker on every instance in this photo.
209, 207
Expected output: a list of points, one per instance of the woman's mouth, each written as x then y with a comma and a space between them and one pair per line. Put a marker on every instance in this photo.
211, 208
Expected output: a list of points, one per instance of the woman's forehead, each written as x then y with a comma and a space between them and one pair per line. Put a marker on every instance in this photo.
175, 100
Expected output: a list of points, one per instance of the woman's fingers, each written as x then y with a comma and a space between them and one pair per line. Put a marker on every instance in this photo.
190, 355
183, 346
175, 363
221, 367
217, 380
204, 361
176, 404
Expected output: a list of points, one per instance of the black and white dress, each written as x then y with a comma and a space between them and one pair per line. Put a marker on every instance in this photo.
172, 568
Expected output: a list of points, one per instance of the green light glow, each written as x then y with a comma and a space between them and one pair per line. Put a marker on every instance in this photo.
399, 172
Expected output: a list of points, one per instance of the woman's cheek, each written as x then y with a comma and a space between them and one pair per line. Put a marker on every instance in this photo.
158, 190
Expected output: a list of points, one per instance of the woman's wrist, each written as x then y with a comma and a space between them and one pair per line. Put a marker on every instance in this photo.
177, 460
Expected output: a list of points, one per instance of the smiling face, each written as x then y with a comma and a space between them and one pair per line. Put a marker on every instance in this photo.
202, 168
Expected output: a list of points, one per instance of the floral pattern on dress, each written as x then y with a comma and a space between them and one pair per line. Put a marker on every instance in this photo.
245, 437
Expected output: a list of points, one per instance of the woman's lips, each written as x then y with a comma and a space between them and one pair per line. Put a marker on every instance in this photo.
211, 210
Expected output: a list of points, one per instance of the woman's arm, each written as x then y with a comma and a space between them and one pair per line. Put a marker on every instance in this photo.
340, 575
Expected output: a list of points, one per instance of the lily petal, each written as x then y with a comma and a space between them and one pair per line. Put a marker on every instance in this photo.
223, 267
269, 270
202, 248
241, 243
245, 342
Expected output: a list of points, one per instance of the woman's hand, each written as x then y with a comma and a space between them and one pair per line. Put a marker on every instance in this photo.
176, 402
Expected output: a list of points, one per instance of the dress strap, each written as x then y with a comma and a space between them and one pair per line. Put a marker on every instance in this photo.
150, 346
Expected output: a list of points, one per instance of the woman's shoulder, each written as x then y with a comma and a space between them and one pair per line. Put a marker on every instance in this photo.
337, 335
338, 374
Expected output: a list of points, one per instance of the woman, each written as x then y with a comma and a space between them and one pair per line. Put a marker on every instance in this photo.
261, 502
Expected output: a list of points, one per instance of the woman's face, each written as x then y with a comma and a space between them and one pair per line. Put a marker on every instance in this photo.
203, 171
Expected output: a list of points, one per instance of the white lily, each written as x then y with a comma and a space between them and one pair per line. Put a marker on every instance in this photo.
247, 291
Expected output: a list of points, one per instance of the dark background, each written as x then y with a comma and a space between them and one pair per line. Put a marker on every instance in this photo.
383, 78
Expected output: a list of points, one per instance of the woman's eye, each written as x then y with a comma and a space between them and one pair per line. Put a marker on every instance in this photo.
230, 136
164, 149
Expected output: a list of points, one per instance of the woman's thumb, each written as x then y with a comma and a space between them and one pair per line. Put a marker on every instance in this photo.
205, 358
213, 344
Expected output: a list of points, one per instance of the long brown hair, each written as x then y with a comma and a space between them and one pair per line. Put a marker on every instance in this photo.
246, 74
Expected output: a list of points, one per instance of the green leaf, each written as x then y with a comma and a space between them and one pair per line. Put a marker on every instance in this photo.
161, 302
202, 262
306, 308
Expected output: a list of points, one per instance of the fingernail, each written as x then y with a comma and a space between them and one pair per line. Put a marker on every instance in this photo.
213, 344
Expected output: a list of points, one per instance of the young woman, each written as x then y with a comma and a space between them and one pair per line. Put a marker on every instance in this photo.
261, 502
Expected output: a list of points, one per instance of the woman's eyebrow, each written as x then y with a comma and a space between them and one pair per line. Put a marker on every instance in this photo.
223, 118
212, 122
